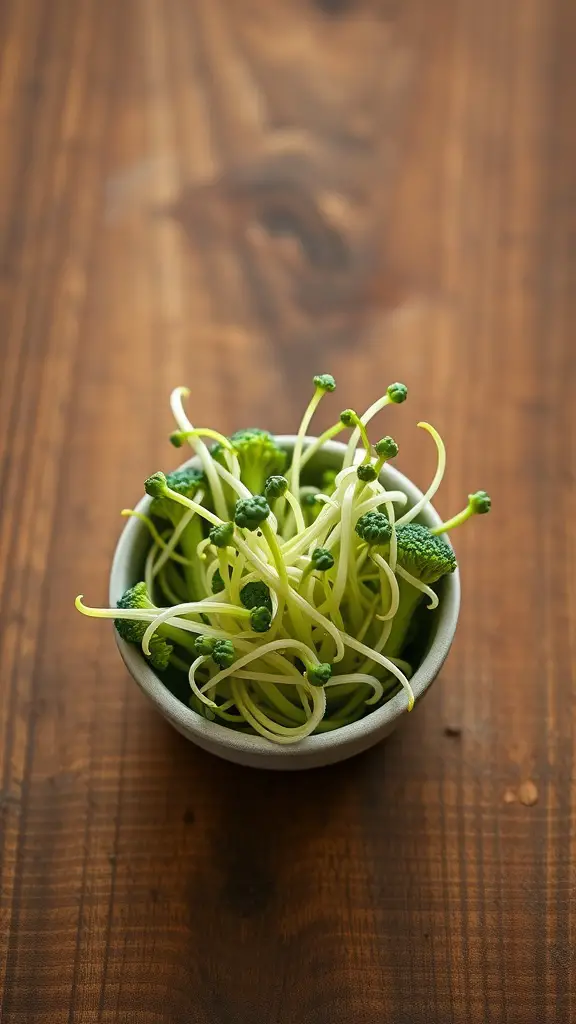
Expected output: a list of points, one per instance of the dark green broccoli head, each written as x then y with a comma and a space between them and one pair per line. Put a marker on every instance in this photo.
275, 487
178, 438
132, 630
386, 448
423, 555
221, 536
324, 382
480, 503
322, 559
251, 512
204, 645
366, 472
256, 595
397, 393
349, 418
136, 597
218, 584
374, 527
156, 485
185, 481
259, 456
318, 675
223, 653
261, 619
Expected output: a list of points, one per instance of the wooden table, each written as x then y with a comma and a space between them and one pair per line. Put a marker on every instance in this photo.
236, 194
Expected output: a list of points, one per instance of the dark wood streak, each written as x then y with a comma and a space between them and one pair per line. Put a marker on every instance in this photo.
235, 195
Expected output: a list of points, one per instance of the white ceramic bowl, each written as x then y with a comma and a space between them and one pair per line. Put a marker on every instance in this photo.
315, 751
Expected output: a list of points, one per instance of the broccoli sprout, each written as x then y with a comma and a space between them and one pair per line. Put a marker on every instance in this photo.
324, 382
275, 487
188, 483
256, 595
223, 653
386, 448
137, 599
478, 505
259, 456
132, 630
397, 393
366, 472
204, 645
322, 559
261, 619
374, 527
220, 536
250, 513
318, 675
287, 599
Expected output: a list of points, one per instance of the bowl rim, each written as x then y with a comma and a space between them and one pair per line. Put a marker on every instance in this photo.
219, 736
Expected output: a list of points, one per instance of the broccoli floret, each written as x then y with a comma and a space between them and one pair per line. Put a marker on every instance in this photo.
186, 481
261, 619
223, 653
256, 595
422, 554
156, 485
275, 487
427, 558
259, 456
318, 675
322, 559
204, 645
386, 448
478, 505
251, 512
220, 536
348, 417
351, 419
397, 393
132, 630
366, 472
374, 527
324, 382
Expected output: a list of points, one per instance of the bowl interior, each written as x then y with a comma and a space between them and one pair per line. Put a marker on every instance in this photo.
170, 692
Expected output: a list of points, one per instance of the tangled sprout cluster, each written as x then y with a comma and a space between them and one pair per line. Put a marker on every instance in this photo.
288, 605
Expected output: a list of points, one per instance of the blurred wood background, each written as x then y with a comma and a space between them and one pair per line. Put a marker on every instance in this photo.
236, 194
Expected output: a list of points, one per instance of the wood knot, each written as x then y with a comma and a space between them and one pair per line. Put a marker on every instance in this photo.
333, 7
308, 255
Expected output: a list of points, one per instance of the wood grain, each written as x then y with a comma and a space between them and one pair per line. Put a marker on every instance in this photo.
236, 194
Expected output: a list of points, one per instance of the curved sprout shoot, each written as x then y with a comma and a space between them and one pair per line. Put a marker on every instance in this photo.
431, 594
438, 476
199, 449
